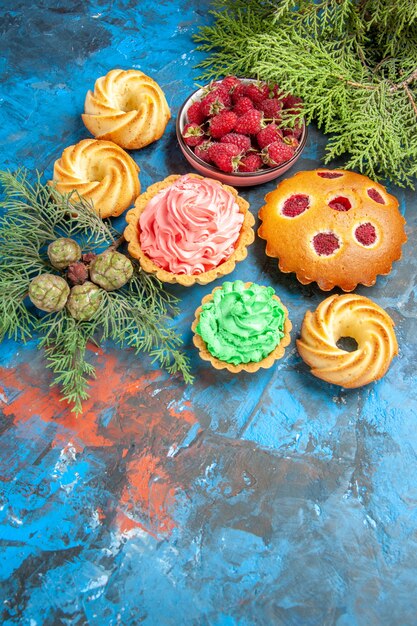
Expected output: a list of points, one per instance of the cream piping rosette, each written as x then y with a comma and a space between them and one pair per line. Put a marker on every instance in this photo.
189, 229
127, 107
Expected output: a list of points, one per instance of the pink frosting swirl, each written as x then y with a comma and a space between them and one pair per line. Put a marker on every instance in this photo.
191, 226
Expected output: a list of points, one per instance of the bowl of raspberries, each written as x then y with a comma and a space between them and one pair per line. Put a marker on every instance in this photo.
241, 131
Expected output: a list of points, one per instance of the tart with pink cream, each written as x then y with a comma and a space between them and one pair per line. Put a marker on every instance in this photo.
188, 229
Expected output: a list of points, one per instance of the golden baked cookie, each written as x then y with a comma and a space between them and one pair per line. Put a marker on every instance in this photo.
357, 317
333, 227
188, 229
101, 172
126, 107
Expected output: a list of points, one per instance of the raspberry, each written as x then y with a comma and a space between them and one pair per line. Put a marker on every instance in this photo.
230, 83
257, 92
222, 124
275, 91
201, 151
221, 89
238, 92
271, 108
241, 141
375, 195
340, 204
276, 153
329, 174
214, 102
215, 86
243, 105
290, 140
325, 244
194, 113
268, 135
250, 163
293, 103
192, 134
296, 131
225, 155
295, 205
366, 234
249, 123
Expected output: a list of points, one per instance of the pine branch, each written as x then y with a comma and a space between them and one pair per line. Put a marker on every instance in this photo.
16, 321
45, 213
144, 328
339, 57
137, 315
65, 341
405, 83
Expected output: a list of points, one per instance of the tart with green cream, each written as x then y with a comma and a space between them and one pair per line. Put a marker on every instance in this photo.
241, 326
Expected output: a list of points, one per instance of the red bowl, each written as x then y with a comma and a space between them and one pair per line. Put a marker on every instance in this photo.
236, 179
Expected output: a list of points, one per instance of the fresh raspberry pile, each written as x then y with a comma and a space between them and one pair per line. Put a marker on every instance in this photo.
241, 127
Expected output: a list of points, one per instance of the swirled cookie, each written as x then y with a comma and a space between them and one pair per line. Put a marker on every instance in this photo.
333, 227
126, 107
99, 171
357, 317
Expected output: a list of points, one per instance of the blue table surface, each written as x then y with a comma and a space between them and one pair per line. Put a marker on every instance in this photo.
266, 499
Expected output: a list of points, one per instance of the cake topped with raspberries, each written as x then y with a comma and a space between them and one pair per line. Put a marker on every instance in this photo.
333, 227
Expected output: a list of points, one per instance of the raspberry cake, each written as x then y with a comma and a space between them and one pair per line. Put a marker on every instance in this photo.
333, 227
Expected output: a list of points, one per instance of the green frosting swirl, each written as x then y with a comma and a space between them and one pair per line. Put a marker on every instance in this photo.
241, 324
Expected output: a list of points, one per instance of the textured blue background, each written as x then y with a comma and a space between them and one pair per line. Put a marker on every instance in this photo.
287, 502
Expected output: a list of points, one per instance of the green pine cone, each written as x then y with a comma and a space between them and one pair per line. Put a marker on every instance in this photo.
111, 270
84, 301
63, 251
49, 292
